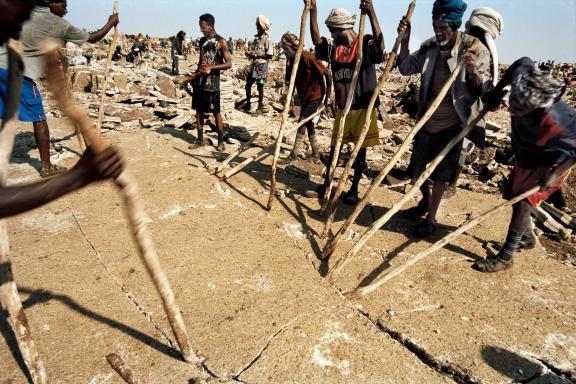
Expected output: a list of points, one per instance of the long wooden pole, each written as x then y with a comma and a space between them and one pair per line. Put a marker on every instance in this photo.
287, 103
342, 121
106, 73
219, 167
134, 208
441, 243
333, 205
8, 289
392, 211
262, 154
123, 369
331, 246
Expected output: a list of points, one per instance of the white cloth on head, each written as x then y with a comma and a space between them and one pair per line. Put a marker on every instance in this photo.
486, 19
340, 18
264, 22
492, 24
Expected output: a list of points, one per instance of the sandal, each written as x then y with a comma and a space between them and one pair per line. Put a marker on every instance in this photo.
425, 229
316, 193
351, 198
53, 170
495, 264
415, 212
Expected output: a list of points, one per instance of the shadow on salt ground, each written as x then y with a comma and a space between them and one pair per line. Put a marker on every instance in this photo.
39, 296
403, 226
517, 368
24, 142
261, 174
177, 133
218, 157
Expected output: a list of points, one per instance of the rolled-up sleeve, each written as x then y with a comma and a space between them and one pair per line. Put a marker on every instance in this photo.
74, 35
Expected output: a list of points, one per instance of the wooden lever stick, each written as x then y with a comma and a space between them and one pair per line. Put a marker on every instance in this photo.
287, 103
342, 121
263, 153
8, 289
333, 205
106, 73
135, 211
441, 243
331, 246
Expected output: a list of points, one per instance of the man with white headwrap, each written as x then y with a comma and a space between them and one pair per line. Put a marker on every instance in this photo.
544, 146
342, 58
258, 71
436, 59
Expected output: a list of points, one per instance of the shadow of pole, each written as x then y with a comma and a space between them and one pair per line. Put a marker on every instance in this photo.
38, 296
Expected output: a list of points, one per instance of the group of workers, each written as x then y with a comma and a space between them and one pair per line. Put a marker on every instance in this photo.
543, 126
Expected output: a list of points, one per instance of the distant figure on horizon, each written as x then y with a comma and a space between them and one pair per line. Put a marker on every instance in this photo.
263, 51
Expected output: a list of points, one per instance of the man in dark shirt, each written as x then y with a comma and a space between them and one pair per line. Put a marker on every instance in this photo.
214, 57
311, 85
177, 51
544, 146
343, 61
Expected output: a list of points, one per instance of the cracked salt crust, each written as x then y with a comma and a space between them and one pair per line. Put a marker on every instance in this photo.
101, 378
174, 211
48, 222
557, 342
322, 354
177, 209
294, 230
224, 192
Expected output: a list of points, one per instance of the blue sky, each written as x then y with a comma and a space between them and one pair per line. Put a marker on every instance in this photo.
540, 29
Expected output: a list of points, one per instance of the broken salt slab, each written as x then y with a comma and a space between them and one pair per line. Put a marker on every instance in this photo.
294, 230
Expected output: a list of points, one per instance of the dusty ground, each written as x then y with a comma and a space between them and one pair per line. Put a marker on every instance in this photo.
253, 293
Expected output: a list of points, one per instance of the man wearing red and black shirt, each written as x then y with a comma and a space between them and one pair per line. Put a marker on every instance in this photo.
342, 59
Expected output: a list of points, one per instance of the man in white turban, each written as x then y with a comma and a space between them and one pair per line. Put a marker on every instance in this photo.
258, 72
486, 24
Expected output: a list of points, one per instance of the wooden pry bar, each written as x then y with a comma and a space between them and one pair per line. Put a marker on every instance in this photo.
342, 121
123, 369
134, 208
392, 211
331, 246
295, 65
441, 243
8, 289
106, 73
263, 153
219, 167
333, 205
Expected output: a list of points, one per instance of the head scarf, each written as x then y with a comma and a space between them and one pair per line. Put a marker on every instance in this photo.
491, 23
290, 39
340, 18
536, 89
263, 22
450, 11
